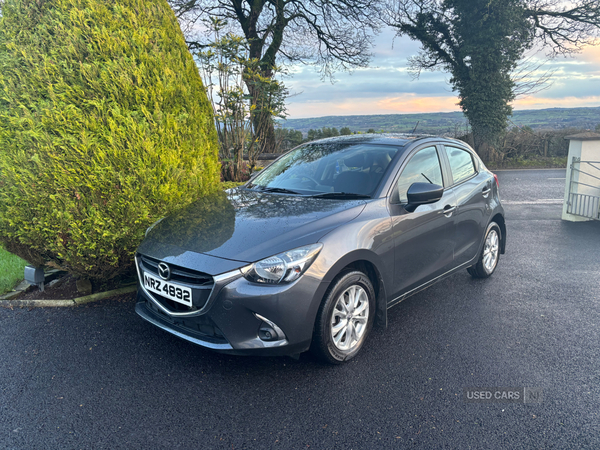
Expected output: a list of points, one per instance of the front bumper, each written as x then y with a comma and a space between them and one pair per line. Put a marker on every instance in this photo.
242, 318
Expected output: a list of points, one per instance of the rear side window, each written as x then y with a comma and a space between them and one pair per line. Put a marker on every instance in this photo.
423, 167
461, 163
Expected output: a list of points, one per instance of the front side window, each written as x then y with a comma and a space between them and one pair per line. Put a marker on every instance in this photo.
423, 167
461, 163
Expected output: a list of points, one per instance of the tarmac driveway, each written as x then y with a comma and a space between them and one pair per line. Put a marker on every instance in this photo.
97, 376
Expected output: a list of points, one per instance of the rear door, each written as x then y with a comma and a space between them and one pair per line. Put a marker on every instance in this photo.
472, 189
423, 238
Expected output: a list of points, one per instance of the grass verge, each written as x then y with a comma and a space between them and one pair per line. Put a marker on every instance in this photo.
540, 162
11, 270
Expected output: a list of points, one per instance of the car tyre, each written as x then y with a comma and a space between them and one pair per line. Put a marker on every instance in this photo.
490, 253
345, 318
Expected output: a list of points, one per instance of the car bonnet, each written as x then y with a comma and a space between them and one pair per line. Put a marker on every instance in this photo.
244, 226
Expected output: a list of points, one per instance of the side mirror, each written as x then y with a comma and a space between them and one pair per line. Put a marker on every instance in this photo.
424, 193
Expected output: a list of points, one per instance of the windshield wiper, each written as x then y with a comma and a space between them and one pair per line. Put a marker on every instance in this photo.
276, 189
341, 195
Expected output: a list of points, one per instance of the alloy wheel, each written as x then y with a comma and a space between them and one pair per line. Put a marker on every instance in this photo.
350, 317
490, 251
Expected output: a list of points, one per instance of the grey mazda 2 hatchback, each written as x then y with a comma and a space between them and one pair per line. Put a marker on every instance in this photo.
312, 252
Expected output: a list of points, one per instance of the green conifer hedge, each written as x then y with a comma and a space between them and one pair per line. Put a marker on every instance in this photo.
104, 128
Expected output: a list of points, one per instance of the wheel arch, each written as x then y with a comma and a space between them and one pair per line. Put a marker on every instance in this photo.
499, 219
368, 263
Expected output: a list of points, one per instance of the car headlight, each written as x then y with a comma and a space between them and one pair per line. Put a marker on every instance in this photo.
283, 268
152, 226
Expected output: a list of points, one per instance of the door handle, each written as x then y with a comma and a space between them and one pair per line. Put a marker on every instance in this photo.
448, 210
486, 191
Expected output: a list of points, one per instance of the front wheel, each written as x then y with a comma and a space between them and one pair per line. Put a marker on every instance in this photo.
490, 254
345, 318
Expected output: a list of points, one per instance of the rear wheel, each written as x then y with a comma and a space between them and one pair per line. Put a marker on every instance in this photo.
345, 318
490, 254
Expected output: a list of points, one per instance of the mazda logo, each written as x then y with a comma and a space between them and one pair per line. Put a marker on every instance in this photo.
164, 271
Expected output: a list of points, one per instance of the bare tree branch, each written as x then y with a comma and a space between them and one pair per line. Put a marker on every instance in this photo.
527, 78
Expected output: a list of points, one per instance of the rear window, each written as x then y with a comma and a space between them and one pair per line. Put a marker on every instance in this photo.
461, 163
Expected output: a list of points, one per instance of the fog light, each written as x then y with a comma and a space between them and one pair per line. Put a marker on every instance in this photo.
268, 331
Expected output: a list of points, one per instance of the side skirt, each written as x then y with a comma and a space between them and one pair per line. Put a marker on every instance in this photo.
430, 283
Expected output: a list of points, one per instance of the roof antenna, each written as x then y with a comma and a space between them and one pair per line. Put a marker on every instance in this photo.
415, 128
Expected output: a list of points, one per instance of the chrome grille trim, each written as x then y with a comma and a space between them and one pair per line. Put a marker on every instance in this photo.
187, 277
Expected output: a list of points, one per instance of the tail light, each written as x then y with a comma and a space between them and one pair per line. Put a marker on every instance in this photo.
496, 178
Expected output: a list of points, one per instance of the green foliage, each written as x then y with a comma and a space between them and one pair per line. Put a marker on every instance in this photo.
104, 128
323, 133
287, 138
230, 184
345, 131
492, 35
11, 270
524, 142
479, 42
531, 162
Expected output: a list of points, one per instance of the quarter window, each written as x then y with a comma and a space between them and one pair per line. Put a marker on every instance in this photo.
461, 163
423, 167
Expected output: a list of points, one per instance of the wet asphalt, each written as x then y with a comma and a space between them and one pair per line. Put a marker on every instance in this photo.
98, 377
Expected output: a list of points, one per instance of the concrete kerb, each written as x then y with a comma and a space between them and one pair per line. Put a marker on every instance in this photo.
70, 302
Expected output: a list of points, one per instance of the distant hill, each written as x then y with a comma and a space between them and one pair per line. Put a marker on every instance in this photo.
450, 123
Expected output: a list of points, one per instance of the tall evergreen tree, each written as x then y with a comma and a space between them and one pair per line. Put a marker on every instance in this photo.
480, 43
104, 128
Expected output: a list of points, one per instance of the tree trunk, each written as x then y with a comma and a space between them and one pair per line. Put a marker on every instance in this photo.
262, 121
481, 144
269, 141
238, 164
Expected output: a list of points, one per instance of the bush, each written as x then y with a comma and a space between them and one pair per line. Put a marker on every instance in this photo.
527, 143
104, 128
524, 142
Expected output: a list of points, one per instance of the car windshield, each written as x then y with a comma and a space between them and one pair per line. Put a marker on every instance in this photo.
328, 169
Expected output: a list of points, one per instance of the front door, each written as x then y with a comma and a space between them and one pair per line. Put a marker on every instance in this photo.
423, 238
473, 195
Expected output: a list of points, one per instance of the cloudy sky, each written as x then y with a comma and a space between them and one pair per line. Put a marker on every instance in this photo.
387, 88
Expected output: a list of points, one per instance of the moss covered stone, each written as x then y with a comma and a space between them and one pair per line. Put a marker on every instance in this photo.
104, 128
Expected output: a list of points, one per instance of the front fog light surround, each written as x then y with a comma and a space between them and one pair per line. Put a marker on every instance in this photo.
285, 267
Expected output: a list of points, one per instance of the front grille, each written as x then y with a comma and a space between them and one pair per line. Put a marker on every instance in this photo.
201, 326
201, 284
178, 274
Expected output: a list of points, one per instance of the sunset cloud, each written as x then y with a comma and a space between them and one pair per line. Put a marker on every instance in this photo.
412, 103
387, 88
564, 102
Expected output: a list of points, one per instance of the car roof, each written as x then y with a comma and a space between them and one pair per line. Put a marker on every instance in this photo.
401, 139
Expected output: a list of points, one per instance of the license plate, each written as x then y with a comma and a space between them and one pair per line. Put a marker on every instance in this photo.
172, 291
